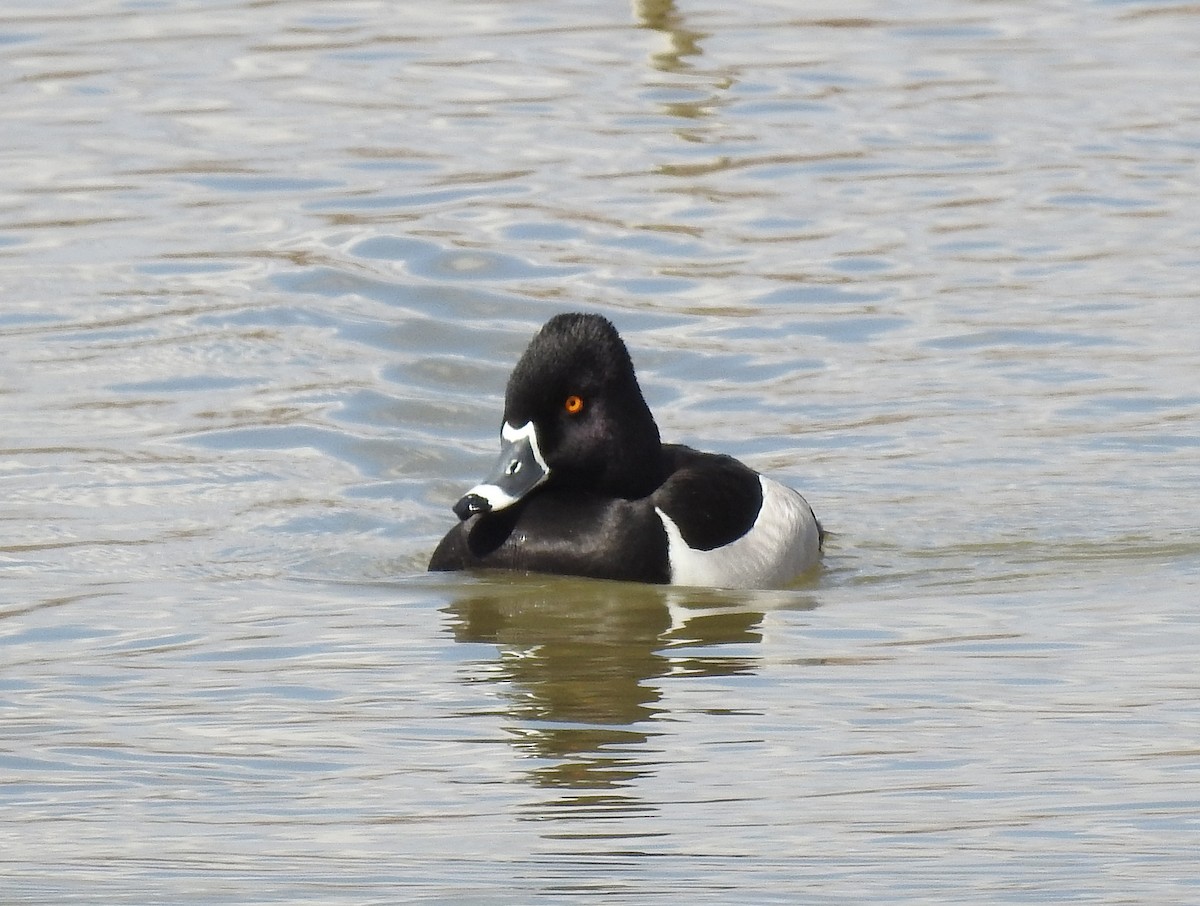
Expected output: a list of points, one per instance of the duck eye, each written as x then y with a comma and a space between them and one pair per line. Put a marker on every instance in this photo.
573, 404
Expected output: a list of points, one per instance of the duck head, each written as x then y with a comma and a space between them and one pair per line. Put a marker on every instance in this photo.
574, 417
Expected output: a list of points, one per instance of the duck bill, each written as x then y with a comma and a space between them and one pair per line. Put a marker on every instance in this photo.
517, 472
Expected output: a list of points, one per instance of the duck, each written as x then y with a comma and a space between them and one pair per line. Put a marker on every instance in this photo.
584, 485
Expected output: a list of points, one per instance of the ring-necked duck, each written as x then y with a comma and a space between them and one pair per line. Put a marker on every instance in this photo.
585, 487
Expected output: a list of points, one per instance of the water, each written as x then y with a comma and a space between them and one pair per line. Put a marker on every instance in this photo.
265, 268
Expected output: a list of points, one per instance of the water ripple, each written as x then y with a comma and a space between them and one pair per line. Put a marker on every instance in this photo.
266, 268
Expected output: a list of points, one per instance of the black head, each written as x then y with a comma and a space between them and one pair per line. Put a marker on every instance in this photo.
576, 384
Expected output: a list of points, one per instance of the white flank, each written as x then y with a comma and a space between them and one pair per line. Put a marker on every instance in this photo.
783, 543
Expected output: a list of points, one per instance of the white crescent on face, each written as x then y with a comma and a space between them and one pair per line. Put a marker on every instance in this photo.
518, 446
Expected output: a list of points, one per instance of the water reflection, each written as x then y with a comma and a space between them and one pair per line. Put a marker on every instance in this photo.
580, 666
682, 42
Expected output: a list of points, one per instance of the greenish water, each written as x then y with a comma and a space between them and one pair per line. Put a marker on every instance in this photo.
265, 268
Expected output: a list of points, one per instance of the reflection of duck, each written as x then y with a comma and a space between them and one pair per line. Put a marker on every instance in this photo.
579, 663
584, 486
662, 16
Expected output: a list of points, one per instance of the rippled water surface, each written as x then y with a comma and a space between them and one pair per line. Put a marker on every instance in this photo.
265, 268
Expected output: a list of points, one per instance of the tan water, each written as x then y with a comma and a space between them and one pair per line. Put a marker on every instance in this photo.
265, 268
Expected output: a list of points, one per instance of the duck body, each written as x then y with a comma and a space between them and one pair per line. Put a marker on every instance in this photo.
584, 486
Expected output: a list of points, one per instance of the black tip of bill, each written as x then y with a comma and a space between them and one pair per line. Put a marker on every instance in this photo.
471, 505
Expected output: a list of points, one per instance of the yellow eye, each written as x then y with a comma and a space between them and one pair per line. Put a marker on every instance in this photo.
573, 404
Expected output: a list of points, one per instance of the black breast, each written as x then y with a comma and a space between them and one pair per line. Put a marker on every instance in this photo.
566, 533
